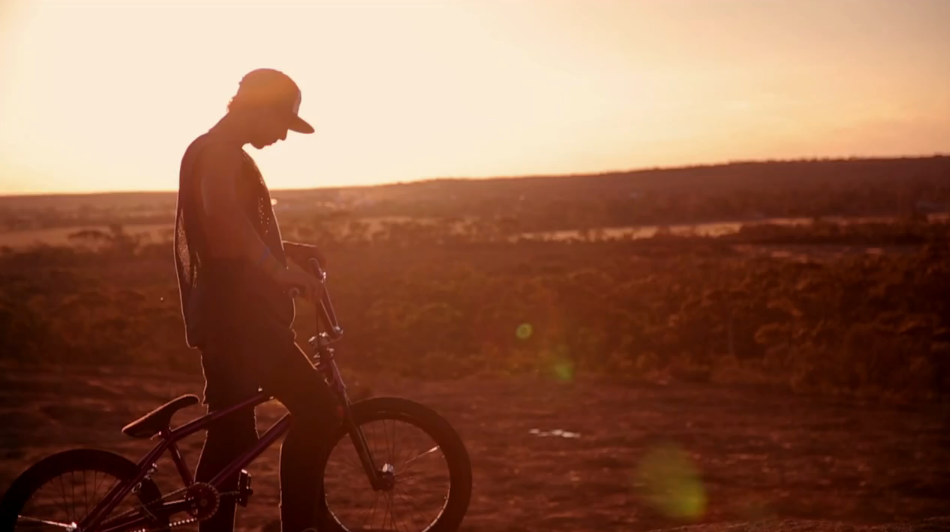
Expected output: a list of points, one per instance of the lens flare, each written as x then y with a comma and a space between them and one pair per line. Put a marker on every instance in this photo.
523, 332
668, 481
564, 370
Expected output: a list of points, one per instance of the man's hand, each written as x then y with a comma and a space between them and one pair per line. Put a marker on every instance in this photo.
308, 286
302, 253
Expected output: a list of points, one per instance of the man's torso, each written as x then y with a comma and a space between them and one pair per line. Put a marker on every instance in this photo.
216, 290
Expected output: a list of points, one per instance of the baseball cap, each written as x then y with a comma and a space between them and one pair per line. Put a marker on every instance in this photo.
266, 87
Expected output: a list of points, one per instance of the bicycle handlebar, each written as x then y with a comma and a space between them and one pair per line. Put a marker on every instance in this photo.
326, 314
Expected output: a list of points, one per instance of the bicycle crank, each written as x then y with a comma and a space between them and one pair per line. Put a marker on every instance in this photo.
202, 502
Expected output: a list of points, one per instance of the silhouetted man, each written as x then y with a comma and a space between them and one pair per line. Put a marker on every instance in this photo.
234, 277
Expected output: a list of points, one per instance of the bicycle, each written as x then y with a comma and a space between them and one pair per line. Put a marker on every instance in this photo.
133, 501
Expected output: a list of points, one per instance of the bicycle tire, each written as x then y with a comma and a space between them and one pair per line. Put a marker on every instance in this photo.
39, 474
436, 427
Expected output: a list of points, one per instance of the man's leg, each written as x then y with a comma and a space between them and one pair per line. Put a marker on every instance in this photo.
312, 406
226, 439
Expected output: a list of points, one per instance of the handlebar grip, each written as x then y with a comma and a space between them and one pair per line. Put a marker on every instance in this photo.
316, 269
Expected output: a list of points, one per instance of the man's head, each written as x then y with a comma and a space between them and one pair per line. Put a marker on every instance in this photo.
269, 100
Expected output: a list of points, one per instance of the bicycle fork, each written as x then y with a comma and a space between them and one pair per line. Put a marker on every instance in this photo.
381, 479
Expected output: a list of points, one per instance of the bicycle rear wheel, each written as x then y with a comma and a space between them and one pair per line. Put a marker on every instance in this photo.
427, 463
61, 490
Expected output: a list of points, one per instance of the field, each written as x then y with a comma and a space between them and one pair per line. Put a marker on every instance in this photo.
746, 454
613, 358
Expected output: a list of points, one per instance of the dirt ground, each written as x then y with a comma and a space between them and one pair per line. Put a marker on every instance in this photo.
626, 457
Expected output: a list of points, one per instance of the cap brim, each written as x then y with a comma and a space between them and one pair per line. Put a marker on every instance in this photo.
300, 125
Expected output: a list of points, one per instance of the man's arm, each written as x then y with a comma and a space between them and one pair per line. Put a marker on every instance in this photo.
301, 253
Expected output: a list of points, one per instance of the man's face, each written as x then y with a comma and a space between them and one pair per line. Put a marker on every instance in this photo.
269, 127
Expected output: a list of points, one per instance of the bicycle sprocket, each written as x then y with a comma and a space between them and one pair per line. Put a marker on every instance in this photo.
203, 500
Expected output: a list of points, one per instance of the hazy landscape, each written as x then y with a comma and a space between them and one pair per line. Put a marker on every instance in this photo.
760, 343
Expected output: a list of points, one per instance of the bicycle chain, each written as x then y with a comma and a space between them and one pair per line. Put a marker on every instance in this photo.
145, 509
188, 521
185, 522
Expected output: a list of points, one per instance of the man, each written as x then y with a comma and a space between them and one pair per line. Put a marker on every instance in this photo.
235, 282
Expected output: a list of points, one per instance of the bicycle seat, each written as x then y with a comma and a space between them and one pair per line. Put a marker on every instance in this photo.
157, 420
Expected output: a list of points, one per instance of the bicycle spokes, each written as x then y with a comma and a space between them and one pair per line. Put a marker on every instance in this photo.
413, 473
64, 501
27, 523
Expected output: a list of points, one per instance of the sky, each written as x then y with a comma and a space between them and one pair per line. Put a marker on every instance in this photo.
106, 95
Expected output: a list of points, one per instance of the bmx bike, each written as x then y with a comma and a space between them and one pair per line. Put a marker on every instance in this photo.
88, 490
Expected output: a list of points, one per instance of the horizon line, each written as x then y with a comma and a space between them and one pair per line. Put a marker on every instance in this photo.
729, 162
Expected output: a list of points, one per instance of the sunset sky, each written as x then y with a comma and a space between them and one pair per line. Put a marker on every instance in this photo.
98, 96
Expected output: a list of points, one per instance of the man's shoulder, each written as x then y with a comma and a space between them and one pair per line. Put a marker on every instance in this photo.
203, 143
207, 150
198, 142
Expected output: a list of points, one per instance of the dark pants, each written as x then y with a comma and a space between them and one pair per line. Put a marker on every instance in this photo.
238, 360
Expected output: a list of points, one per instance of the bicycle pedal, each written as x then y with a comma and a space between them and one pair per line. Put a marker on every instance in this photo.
244, 488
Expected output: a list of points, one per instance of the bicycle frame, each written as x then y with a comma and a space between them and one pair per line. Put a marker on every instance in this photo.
325, 364
170, 443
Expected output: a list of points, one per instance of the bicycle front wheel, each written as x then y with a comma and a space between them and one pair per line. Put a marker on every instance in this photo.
426, 462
